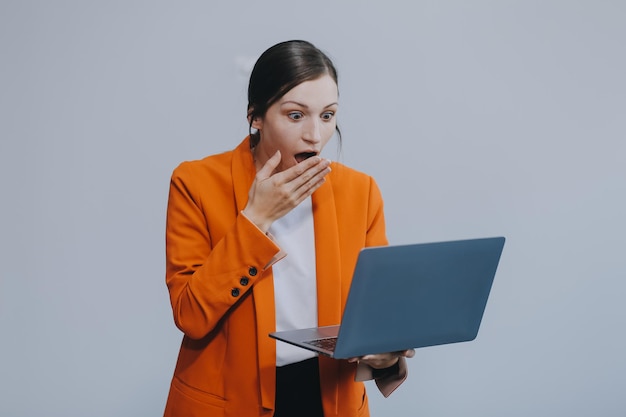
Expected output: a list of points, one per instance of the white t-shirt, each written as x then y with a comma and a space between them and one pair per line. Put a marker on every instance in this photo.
295, 289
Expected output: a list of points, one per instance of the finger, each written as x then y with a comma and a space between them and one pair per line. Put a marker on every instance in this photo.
302, 172
304, 191
269, 166
312, 178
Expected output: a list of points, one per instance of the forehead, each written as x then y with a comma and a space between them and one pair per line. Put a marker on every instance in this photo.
320, 91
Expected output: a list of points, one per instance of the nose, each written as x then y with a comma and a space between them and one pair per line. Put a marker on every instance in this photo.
312, 131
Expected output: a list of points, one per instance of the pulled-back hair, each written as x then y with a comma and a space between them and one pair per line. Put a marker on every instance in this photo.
278, 70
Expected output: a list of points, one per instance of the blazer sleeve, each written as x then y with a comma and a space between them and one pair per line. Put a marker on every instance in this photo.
208, 272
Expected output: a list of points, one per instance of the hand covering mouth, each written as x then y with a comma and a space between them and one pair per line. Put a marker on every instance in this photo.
304, 155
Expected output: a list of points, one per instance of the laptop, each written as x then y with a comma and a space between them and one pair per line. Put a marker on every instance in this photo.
409, 296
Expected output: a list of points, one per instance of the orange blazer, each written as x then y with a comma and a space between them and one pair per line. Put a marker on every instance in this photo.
219, 277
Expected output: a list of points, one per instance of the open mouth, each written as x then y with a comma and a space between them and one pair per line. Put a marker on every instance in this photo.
304, 155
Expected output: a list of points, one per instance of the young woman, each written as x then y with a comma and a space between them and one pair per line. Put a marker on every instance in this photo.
263, 238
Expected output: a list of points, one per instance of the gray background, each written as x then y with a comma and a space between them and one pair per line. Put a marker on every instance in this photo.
477, 118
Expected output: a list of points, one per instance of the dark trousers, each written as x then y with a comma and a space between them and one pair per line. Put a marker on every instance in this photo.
298, 390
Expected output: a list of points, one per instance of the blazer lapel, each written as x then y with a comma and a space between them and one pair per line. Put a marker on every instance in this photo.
328, 261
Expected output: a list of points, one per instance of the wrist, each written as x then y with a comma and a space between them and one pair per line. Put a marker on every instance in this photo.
264, 226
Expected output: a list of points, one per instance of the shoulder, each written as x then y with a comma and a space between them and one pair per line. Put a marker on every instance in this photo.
345, 178
208, 166
343, 172
219, 167
203, 181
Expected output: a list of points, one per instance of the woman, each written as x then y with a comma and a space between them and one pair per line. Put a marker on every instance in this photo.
264, 238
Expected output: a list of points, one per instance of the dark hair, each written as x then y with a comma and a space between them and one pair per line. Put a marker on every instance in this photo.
278, 70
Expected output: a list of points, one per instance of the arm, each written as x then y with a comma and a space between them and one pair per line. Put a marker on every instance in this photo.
208, 270
216, 255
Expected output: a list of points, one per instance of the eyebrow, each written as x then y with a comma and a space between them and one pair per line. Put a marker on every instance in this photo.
304, 105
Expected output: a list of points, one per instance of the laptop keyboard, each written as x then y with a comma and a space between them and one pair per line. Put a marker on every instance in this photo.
327, 343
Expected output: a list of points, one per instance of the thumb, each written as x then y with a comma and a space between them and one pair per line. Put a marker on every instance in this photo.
270, 166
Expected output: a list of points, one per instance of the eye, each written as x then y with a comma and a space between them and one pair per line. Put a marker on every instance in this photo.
328, 115
295, 115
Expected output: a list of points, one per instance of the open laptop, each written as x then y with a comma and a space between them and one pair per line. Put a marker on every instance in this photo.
409, 296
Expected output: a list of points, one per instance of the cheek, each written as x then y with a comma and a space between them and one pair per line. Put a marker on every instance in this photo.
276, 136
329, 131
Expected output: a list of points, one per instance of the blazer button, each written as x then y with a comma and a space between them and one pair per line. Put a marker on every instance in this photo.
252, 271
244, 281
235, 292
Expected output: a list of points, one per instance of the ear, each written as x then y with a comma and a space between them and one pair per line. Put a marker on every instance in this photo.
256, 122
